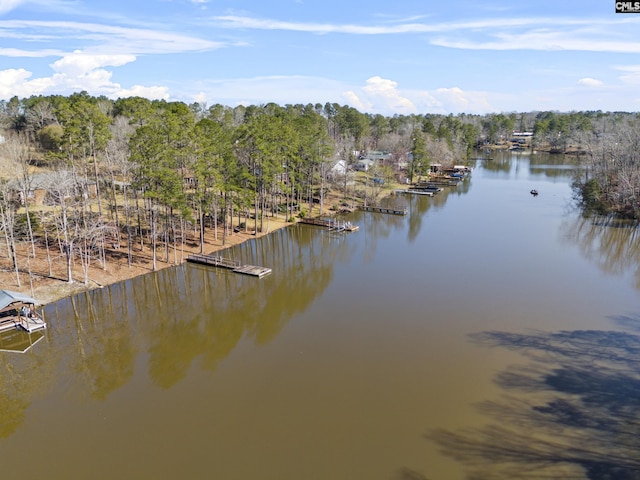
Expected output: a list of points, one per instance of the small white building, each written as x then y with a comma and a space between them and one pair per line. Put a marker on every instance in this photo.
364, 165
339, 168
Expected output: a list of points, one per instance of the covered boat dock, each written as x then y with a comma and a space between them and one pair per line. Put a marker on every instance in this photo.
17, 310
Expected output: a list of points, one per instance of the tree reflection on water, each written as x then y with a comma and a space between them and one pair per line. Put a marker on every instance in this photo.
610, 243
571, 412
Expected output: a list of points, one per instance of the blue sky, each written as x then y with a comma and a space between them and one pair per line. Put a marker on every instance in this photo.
388, 57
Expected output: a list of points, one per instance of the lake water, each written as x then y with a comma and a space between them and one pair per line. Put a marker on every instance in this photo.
487, 333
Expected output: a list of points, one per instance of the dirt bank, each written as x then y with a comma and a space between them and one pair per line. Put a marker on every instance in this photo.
48, 282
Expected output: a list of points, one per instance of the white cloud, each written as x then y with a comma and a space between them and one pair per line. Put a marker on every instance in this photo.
106, 39
200, 97
151, 93
11, 78
87, 69
383, 96
356, 102
590, 82
632, 75
79, 63
76, 72
15, 52
541, 33
544, 40
385, 92
8, 5
244, 22
455, 100
376, 95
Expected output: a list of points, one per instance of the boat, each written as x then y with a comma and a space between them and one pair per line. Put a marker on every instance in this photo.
17, 311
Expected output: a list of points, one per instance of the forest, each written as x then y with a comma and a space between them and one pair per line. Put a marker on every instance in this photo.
79, 174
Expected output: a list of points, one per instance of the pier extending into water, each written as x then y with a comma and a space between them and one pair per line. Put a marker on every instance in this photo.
392, 211
330, 224
415, 192
229, 263
29, 323
17, 310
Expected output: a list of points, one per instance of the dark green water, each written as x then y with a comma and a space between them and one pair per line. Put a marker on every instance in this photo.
487, 332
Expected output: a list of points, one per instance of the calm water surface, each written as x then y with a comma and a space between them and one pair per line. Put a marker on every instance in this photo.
473, 336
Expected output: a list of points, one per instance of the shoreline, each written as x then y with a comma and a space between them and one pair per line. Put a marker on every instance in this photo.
53, 289
48, 280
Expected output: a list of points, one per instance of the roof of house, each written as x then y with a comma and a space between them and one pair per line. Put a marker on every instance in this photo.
377, 155
7, 298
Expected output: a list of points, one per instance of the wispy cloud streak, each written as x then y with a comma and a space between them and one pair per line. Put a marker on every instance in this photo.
101, 38
541, 33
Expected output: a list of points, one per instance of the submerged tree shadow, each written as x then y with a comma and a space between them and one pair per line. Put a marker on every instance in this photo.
572, 412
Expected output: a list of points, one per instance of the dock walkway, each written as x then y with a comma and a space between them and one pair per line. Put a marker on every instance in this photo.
320, 222
392, 211
331, 224
415, 192
17, 310
29, 324
229, 263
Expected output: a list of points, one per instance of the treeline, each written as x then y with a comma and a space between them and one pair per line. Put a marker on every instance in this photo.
149, 172
609, 183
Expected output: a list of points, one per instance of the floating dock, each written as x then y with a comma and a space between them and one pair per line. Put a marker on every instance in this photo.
228, 263
446, 182
330, 224
392, 211
320, 222
416, 192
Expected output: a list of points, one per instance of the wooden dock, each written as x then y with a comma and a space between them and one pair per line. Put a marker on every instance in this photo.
17, 310
253, 270
228, 263
31, 324
320, 222
446, 181
392, 211
28, 324
331, 224
415, 192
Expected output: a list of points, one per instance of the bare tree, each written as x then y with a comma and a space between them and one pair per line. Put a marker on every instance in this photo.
611, 183
62, 191
90, 235
40, 115
8, 224
17, 148
119, 169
